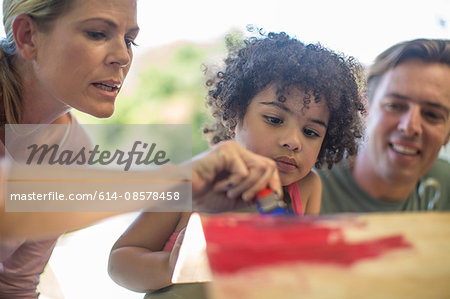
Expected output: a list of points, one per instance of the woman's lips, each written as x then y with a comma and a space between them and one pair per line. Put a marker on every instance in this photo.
109, 89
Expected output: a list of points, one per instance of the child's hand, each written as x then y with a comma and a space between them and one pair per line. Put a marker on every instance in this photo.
176, 250
229, 177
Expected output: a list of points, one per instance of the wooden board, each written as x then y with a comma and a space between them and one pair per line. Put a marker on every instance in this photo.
347, 256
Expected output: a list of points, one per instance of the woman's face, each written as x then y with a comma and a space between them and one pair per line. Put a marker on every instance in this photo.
287, 132
84, 59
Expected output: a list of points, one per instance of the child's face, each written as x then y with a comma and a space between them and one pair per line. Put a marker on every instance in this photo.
285, 131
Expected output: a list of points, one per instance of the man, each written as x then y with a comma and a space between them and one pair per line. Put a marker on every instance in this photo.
397, 168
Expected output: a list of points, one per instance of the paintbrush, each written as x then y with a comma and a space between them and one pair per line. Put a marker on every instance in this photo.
268, 202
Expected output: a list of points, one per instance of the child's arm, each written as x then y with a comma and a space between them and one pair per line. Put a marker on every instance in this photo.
137, 261
311, 191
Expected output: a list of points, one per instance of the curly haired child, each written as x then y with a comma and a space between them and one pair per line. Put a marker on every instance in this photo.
297, 104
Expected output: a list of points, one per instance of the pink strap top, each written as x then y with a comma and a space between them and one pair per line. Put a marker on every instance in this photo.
296, 198
22, 263
171, 241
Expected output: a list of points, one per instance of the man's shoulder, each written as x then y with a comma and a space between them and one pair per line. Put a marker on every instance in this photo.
440, 162
440, 168
440, 172
336, 171
340, 192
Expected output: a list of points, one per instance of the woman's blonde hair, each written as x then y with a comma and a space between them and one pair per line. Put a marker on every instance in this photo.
43, 13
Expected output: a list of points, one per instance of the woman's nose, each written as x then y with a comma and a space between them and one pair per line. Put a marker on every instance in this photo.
119, 54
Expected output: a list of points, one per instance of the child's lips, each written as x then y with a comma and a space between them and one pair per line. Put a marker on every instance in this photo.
286, 163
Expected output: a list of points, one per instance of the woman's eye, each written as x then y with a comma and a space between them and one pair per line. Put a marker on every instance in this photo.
130, 42
273, 120
96, 35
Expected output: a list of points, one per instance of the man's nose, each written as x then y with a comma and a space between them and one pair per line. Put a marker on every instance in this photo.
411, 122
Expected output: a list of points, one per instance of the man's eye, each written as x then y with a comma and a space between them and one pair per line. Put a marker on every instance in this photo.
433, 116
96, 35
395, 107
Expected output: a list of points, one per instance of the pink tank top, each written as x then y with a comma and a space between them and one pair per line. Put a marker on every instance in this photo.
22, 263
171, 241
296, 199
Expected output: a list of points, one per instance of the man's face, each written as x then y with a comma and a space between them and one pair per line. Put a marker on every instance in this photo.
409, 120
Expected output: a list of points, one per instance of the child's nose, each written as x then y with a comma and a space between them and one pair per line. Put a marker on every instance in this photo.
291, 140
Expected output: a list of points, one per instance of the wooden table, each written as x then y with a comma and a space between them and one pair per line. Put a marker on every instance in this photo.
344, 256
196, 290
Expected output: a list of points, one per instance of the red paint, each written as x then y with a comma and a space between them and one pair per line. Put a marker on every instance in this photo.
264, 192
236, 241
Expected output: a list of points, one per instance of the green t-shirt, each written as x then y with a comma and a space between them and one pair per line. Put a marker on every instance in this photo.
341, 194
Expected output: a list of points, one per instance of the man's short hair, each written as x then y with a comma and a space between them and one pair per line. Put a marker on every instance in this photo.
427, 50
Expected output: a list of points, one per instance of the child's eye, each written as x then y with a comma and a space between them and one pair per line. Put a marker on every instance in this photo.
310, 133
96, 35
273, 120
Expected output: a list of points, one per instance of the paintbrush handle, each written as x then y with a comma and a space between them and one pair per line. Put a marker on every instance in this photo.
268, 202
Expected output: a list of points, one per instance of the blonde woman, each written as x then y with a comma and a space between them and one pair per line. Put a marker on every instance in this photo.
64, 54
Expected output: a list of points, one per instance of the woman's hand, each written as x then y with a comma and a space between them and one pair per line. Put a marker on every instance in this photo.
228, 177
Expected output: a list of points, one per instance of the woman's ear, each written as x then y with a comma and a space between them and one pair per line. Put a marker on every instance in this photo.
24, 30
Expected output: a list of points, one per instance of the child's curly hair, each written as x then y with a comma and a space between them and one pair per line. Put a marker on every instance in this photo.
287, 62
